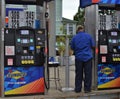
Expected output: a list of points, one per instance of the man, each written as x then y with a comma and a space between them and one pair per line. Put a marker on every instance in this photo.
82, 44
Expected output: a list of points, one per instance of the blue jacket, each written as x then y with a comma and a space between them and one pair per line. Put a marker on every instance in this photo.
82, 44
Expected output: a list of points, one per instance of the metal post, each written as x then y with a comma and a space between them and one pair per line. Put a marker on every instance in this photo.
92, 28
96, 55
67, 72
67, 64
2, 25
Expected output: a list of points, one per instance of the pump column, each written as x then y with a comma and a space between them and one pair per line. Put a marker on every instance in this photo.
2, 25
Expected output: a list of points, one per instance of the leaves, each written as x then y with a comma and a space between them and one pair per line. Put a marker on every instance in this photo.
60, 40
79, 16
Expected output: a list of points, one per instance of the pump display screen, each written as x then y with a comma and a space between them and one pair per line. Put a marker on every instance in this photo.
25, 41
113, 33
24, 32
114, 41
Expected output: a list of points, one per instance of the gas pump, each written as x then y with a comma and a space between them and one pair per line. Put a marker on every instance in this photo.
105, 30
108, 59
24, 61
22, 51
108, 48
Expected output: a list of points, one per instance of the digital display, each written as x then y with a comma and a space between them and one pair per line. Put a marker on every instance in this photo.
24, 32
114, 41
25, 41
113, 33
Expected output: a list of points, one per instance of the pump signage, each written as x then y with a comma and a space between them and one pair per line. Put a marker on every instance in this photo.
108, 76
95, 1
84, 3
23, 80
110, 1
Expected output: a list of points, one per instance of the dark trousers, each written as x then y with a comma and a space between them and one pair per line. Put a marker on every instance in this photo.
86, 68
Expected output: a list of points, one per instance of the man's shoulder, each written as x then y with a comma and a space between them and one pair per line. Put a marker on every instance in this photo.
88, 34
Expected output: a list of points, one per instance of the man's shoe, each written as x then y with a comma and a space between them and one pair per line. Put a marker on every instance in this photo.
87, 91
77, 91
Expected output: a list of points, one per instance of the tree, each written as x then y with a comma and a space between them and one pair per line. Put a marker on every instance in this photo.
79, 16
61, 42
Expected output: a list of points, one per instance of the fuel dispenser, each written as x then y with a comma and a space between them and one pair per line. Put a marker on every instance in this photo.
24, 61
105, 29
22, 46
108, 48
109, 59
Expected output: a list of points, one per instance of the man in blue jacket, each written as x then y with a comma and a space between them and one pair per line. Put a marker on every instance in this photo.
82, 44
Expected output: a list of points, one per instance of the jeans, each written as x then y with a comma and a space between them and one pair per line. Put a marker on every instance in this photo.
80, 68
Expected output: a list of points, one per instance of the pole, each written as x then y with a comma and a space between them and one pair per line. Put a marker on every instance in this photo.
67, 65
67, 72
2, 26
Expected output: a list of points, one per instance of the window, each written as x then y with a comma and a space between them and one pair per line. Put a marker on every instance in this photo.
70, 29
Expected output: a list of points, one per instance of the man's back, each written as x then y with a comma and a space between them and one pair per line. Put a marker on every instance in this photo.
82, 44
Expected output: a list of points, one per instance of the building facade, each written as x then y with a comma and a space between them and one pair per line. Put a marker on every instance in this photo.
69, 26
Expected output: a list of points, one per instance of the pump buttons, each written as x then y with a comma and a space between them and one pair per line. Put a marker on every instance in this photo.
18, 40
38, 39
25, 62
31, 40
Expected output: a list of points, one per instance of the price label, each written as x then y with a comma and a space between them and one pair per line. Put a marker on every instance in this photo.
21, 18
